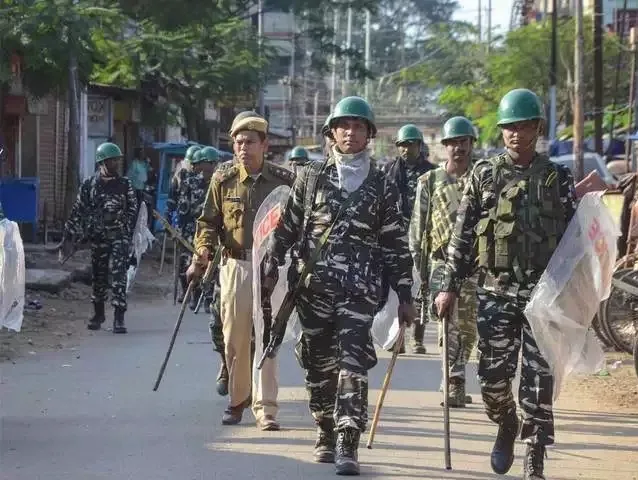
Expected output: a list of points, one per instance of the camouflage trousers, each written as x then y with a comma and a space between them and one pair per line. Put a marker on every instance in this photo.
185, 256
336, 351
461, 331
113, 253
503, 329
215, 326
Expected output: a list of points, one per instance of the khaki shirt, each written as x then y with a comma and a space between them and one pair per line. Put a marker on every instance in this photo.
232, 201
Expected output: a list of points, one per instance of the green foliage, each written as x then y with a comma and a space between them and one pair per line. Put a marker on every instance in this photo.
473, 81
45, 33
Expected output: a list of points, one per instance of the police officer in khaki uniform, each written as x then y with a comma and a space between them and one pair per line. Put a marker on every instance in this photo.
234, 196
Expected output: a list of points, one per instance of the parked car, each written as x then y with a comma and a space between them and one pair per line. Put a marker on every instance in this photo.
591, 162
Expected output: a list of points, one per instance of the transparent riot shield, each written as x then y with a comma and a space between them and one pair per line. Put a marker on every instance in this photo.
12, 276
577, 279
142, 240
266, 220
385, 327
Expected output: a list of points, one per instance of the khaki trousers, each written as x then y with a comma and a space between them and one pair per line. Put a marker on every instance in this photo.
236, 310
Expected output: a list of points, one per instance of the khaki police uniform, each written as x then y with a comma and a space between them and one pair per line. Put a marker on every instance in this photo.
233, 199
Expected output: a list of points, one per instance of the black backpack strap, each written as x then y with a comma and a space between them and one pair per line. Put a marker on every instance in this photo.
310, 190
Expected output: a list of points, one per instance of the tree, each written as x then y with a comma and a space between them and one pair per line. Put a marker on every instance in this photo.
472, 81
55, 40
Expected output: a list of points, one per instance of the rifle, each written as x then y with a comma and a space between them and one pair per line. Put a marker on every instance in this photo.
277, 328
209, 270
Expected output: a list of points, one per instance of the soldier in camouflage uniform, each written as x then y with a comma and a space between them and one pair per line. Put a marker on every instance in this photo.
438, 194
192, 193
405, 171
104, 213
183, 170
518, 205
339, 297
298, 159
215, 326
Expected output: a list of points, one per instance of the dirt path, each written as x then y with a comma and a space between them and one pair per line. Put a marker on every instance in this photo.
61, 322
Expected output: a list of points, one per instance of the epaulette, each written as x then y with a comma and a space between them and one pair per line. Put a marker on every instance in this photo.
281, 173
224, 173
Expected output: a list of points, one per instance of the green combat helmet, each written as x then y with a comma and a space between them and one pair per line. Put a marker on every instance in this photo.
409, 133
299, 155
458, 127
107, 150
520, 105
354, 107
325, 130
191, 151
206, 154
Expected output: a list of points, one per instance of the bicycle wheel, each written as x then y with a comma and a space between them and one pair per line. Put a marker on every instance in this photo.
621, 310
596, 325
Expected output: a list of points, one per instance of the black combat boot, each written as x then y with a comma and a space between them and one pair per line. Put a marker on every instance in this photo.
456, 398
326, 441
222, 378
503, 451
346, 455
194, 298
98, 317
419, 333
533, 464
118, 320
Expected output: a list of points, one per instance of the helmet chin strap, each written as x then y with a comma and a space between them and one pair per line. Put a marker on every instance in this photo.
531, 145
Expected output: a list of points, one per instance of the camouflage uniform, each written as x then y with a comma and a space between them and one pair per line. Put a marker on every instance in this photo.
105, 213
406, 175
192, 193
517, 233
437, 200
337, 304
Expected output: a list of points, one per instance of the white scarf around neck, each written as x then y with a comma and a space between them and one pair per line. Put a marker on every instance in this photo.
352, 169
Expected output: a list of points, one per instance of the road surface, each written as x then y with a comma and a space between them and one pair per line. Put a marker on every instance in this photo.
90, 414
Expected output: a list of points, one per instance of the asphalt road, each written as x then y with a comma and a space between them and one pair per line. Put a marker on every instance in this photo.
90, 413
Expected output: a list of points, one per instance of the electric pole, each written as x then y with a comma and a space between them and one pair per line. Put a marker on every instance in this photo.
367, 55
349, 47
598, 76
260, 33
579, 117
333, 86
314, 114
489, 25
632, 98
552, 73
480, 23
293, 118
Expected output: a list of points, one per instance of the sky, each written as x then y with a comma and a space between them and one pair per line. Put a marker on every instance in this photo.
468, 12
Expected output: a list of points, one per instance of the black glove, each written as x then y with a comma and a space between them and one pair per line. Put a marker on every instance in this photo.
269, 277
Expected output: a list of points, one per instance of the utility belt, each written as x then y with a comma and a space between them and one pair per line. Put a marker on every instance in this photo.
506, 283
238, 254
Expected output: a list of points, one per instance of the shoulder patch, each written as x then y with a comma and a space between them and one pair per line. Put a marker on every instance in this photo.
281, 173
221, 175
